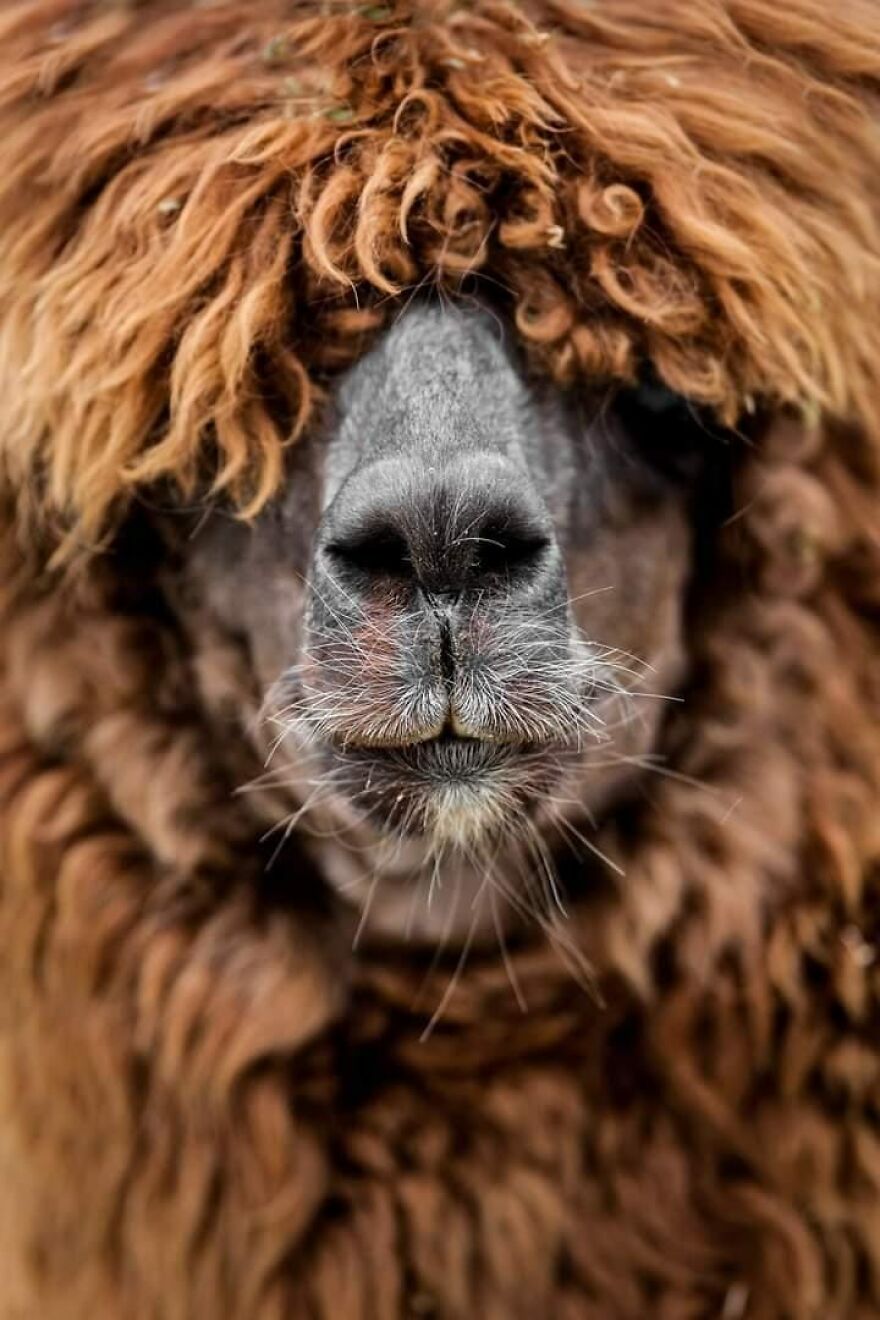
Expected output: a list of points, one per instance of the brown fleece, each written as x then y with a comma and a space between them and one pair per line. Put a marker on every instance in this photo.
207, 1107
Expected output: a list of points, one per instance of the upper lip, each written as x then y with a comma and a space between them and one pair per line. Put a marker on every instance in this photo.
447, 750
449, 733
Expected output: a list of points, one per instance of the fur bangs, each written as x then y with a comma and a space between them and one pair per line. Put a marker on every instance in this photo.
204, 208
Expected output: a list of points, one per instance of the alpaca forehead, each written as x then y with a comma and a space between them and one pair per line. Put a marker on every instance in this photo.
437, 389
465, 348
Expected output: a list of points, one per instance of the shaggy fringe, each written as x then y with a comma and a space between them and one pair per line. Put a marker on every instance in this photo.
205, 1111
188, 239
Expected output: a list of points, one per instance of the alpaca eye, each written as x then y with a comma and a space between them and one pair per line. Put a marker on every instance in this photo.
671, 434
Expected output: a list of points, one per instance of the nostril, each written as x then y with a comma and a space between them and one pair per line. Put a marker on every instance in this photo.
500, 550
495, 552
381, 552
472, 526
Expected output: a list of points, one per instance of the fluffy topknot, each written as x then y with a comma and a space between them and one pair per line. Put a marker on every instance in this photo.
204, 207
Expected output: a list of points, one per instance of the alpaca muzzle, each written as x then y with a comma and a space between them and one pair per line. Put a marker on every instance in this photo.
439, 640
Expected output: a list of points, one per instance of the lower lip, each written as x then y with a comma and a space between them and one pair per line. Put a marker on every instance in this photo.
455, 757
420, 787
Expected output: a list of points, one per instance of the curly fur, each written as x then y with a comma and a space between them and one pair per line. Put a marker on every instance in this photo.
206, 1109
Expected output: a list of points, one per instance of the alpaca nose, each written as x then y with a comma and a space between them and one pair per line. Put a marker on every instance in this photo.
475, 526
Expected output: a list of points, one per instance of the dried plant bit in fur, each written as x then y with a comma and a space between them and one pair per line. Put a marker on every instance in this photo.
811, 414
377, 13
170, 206
61, 31
277, 49
862, 953
804, 546
556, 236
155, 81
736, 1301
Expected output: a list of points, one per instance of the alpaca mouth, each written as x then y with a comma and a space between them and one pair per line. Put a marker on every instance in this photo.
454, 757
455, 789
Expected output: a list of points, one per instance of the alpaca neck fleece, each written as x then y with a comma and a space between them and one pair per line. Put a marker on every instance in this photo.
209, 1108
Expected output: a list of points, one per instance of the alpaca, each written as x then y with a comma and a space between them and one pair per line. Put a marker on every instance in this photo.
440, 768
458, 608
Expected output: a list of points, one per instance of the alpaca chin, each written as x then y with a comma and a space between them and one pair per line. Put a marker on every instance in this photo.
441, 898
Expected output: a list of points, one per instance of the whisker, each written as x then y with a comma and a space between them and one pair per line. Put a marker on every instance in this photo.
452, 983
505, 952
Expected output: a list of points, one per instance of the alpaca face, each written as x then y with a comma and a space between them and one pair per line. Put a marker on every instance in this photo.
465, 617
